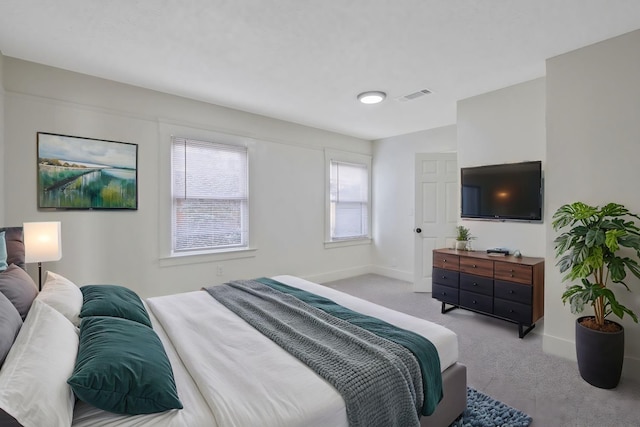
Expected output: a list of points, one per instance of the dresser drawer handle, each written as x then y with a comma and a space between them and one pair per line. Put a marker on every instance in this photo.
473, 265
444, 260
474, 301
510, 291
444, 277
512, 275
475, 284
510, 310
444, 293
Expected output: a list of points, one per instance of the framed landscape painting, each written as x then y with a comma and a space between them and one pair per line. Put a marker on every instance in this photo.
86, 173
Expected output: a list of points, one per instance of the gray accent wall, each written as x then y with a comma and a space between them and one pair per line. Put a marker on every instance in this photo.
583, 121
593, 155
504, 126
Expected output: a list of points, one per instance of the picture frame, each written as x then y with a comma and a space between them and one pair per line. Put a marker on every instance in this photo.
76, 173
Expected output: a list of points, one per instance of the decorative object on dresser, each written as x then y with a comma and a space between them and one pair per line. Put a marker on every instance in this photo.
508, 288
463, 236
42, 243
498, 251
601, 244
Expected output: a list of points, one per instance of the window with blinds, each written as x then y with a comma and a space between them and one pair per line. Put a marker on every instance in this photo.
349, 200
210, 195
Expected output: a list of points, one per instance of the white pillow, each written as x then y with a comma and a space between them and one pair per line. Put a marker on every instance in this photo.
33, 379
63, 295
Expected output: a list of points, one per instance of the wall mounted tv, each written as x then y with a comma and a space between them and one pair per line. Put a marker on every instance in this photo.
506, 192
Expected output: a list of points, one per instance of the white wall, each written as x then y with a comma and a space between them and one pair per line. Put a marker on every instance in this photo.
505, 126
394, 196
287, 192
593, 152
1, 143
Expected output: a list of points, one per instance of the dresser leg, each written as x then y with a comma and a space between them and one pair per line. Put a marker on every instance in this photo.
522, 333
445, 310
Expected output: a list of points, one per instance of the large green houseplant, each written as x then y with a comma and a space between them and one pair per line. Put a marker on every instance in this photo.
591, 251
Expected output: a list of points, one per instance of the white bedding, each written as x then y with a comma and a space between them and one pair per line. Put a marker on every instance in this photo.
228, 374
196, 412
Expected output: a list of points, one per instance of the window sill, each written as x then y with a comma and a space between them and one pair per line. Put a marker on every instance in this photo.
209, 256
347, 242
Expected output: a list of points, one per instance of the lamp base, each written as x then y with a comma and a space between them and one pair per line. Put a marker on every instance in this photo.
39, 276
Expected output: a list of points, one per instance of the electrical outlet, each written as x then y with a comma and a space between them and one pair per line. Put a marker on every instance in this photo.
219, 270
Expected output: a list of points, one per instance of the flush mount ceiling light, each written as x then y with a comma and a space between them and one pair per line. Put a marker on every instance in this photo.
372, 97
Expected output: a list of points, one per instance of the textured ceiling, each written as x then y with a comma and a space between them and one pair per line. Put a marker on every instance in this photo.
305, 61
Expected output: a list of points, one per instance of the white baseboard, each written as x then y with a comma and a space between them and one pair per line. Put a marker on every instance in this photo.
393, 273
559, 347
567, 350
339, 274
360, 270
631, 368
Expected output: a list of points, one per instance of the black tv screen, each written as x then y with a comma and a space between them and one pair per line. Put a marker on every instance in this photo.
503, 192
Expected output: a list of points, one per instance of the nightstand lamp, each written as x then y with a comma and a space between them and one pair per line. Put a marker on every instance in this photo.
42, 243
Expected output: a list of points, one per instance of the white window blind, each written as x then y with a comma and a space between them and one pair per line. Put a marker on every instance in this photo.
349, 200
210, 195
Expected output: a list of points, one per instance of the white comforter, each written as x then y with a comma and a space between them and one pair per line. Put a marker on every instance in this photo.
228, 374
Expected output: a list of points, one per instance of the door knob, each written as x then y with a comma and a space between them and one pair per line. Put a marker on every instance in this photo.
418, 230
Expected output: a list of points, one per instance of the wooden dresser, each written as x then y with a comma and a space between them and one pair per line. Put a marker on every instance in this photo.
506, 287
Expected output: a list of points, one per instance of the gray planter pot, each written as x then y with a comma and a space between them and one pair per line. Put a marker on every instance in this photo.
600, 355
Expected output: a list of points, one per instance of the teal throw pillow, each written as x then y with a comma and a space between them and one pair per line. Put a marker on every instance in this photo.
113, 301
122, 367
3, 252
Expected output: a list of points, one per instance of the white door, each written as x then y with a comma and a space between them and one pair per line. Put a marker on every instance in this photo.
436, 213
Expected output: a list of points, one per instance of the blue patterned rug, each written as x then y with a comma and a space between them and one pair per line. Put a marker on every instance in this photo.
483, 411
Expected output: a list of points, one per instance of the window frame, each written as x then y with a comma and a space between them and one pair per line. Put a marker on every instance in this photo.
168, 129
244, 206
356, 159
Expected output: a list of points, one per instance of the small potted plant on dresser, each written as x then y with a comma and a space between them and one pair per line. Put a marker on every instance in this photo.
463, 237
592, 252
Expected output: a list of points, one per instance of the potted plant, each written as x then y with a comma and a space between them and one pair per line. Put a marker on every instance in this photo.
462, 237
591, 251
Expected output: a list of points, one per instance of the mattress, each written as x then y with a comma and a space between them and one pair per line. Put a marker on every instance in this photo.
228, 374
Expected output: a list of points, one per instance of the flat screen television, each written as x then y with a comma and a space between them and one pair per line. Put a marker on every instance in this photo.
506, 192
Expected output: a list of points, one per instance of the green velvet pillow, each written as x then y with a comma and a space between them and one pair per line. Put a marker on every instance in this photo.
122, 367
113, 301
3, 252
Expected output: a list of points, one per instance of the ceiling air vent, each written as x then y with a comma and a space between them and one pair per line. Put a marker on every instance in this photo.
414, 95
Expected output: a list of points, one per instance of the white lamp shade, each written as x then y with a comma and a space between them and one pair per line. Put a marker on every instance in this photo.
42, 241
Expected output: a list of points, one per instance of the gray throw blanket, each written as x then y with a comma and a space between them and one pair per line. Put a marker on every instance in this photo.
380, 381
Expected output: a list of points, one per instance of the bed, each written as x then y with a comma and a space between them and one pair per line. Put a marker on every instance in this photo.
224, 371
